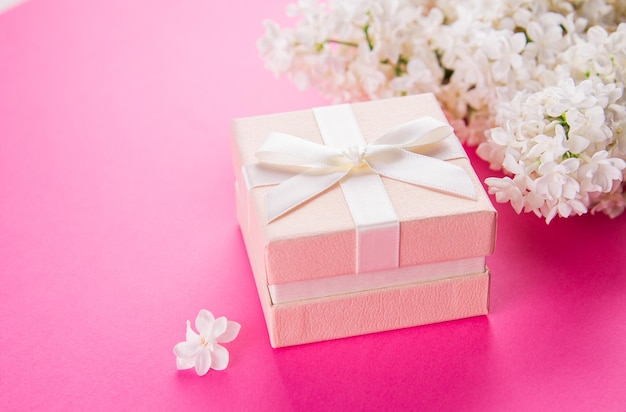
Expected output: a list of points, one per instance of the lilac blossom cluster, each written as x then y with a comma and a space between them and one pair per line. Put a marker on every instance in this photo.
538, 85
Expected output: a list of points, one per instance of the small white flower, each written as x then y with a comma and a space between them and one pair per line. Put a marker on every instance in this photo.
506, 190
504, 50
533, 202
547, 38
556, 182
566, 95
202, 350
547, 148
418, 76
601, 172
612, 204
562, 207
619, 130
589, 125
276, 48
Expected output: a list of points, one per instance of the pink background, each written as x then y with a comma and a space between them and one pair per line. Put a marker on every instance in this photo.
117, 224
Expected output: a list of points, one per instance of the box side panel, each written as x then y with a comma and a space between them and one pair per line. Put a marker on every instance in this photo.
255, 258
379, 310
315, 257
447, 238
436, 239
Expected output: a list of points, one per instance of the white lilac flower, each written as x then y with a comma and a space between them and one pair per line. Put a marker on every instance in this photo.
600, 173
589, 124
276, 48
555, 181
202, 350
506, 190
563, 208
495, 148
478, 123
619, 130
538, 85
548, 148
503, 49
546, 38
419, 76
595, 11
567, 94
491, 151
533, 202
612, 204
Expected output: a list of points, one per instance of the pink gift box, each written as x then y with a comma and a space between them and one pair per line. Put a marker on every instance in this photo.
306, 264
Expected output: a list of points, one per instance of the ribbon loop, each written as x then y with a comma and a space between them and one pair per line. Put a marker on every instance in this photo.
282, 149
325, 165
416, 133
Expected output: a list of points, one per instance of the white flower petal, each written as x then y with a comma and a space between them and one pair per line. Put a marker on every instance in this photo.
546, 168
203, 362
551, 214
518, 41
564, 209
534, 30
533, 202
202, 351
190, 335
183, 364
604, 181
577, 143
555, 188
186, 349
232, 330
506, 190
578, 206
571, 164
512, 165
219, 358
219, 326
204, 322
570, 189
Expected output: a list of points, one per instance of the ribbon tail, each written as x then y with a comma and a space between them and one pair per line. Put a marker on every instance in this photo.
257, 175
419, 132
423, 171
299, 189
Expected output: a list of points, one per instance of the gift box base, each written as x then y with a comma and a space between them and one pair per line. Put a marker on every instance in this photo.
377, 310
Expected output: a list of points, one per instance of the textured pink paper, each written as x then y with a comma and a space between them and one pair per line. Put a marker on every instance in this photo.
377, 310
318, 239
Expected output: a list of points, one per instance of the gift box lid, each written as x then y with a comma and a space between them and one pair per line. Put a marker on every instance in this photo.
318, 238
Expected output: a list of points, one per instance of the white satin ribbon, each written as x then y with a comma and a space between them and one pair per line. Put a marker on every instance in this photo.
304, 169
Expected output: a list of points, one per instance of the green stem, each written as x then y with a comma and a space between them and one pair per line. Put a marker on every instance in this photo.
569, 155
367, 36
342, 42
563, 122
366, 29
399, 68
447, 73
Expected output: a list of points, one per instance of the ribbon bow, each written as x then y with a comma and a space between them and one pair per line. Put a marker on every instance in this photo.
321, 166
